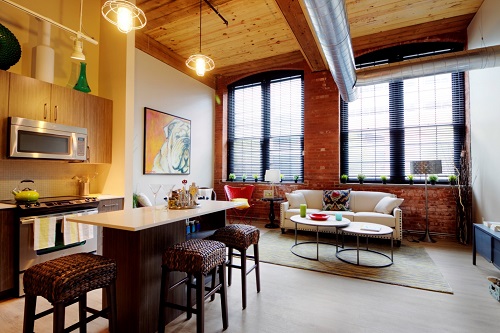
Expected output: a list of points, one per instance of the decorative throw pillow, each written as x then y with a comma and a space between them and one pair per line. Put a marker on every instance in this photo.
295, 199
143, 200
244, 203
387, 204
337, 200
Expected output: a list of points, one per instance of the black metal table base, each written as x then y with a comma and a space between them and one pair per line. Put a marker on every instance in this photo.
272, 225
391, 258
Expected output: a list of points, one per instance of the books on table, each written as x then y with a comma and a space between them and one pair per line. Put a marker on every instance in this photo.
370, 227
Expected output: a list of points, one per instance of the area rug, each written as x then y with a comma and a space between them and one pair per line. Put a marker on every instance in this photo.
412, 266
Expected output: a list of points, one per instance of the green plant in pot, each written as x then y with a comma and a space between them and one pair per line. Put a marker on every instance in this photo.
232, 177
296, 178
384, 179
410, 179
361, 178
255, 178
282, 176
244, 177
344, 178
452, 179
433, 179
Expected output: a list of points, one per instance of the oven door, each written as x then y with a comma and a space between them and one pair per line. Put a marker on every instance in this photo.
28, 256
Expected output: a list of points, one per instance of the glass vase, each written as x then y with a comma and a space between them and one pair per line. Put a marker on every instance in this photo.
82, 84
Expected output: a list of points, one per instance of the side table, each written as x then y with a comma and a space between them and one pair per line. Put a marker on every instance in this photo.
271, 201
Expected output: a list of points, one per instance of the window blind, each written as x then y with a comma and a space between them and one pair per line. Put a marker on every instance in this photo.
392, 124
265, 125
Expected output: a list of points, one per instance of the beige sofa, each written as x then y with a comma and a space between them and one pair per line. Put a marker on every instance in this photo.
364, 206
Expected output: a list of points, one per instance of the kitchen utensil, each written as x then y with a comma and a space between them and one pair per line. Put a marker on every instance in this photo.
22, 193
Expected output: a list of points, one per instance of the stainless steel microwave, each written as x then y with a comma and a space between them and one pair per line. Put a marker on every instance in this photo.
40, 139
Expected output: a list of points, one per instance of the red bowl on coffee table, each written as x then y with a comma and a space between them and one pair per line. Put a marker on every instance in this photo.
318, 217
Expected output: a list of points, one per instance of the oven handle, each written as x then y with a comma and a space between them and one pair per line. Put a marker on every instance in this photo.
31, 219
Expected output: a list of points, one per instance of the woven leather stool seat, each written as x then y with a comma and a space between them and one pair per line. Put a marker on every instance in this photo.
66, 280
63, 279
240, 237
197, 258
194, 256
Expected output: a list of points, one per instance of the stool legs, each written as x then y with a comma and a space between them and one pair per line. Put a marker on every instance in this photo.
112, 314
257, 265
244, 279
29, 314
82, 304
200, 302
223, 295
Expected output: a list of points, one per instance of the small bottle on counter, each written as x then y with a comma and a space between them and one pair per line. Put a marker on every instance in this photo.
188, 228
193, 228
197, 225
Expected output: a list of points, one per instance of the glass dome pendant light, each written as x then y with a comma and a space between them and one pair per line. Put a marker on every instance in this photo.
199, 62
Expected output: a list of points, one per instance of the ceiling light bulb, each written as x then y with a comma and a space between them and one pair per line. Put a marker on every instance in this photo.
124, 19
78, 50
200, 66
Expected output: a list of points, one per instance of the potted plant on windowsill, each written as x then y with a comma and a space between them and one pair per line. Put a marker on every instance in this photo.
344, 178
232, 177
255, 178
452, 179
384, 179
282, 176
433, 179
296, 178
410, 179
361, 178
244, 177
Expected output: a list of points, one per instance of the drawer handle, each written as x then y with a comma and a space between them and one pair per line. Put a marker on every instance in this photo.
55, 112
45, 111
109, 205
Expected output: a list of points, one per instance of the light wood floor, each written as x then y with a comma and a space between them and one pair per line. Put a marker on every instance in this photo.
294, 300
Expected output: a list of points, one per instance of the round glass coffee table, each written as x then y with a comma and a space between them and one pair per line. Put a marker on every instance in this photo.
365, 229
330, 222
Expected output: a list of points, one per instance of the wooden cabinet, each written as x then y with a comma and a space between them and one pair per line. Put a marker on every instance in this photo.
109, 205
7, 263
25, 97
4, 111
34, 99
99, 123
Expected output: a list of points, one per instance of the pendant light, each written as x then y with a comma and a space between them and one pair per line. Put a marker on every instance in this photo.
77, 41
124, 14
199, 62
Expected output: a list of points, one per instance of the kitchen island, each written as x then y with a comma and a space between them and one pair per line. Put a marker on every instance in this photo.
136, 239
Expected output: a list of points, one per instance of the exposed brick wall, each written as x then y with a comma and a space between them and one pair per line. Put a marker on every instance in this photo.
321, 158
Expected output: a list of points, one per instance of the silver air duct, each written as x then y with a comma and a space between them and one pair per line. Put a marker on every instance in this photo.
329, 19
486, 57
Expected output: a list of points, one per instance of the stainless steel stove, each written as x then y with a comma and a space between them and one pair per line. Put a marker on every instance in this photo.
56, 208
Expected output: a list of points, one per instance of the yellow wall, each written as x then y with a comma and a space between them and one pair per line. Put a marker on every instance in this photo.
66, 12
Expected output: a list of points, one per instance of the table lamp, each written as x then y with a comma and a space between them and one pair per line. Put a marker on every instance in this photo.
425, 168
273, 176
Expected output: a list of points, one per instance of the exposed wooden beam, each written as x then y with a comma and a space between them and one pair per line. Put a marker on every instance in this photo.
162, 53
292, 11
265, 64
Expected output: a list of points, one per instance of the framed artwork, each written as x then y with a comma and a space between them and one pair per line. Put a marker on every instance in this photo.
167, 143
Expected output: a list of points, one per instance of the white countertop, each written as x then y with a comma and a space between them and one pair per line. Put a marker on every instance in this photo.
6, 206
135, 219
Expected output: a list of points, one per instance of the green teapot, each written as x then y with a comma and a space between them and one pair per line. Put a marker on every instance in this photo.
26, 194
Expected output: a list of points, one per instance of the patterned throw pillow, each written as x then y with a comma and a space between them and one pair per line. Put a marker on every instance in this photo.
336, 200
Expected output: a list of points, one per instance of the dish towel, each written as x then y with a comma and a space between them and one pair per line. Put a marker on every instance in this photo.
70, 230
44, 232
85, 231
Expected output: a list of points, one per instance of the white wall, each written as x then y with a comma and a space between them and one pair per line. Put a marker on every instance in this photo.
163, 88
484, 30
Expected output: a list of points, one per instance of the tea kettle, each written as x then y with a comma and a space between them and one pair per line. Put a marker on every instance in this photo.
26, 193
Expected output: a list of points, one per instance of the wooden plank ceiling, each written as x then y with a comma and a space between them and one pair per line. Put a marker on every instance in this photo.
262, 34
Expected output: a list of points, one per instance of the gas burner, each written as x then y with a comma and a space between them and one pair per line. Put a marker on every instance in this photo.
49, 205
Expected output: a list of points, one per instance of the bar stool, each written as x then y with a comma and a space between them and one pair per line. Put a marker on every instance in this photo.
196, 257
240, 237
67, 280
